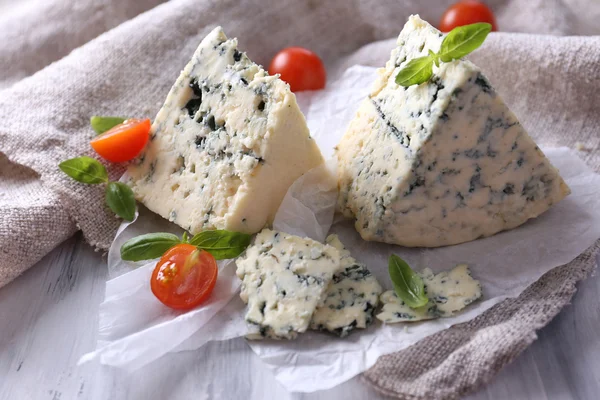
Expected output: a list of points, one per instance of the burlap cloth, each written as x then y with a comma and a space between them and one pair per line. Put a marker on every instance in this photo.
551, 82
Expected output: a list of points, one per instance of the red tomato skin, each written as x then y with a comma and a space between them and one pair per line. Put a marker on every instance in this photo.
124, 142
180, 286
300, 68
467, 12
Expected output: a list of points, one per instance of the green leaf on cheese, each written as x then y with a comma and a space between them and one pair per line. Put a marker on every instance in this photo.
463, 40
407, 284
458, 43
417, 71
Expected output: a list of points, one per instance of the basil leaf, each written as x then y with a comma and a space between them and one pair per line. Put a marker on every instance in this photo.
148, 246
119, 198
85, 170
222, 244
435, 58
407, 284
103, 124
417, 71
463, 40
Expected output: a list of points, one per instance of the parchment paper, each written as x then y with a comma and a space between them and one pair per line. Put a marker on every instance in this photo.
136, 329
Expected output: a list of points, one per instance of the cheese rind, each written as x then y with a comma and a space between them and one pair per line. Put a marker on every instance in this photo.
351, 298
226, 145
284, 278
448, 292
439, 163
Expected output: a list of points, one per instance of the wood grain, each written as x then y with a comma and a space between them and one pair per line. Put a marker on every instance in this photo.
49, 318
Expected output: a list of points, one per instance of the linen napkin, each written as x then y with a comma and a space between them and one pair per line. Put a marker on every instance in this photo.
550, 82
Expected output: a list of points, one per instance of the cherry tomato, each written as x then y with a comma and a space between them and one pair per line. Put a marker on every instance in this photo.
184, 277
124, 141
300, 68
467, 12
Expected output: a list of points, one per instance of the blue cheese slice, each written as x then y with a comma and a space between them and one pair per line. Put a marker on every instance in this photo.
350, 299
395, 310
284, 278
448, 292
440, 163
226, 145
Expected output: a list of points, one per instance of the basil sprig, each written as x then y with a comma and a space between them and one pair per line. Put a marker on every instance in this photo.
103, 124
220, 243
407, 284
120, 199
417, 71
148, 246
85, 170
118, 196
458, 43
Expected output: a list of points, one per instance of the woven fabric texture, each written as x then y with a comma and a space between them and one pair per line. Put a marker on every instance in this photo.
63, 61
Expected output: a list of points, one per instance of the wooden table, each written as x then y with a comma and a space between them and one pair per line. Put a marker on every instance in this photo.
49, 318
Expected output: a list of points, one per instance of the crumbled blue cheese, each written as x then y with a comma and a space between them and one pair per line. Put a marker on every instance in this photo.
395, 310
448, 292
226, 145
439, 163
451, 291
350, 299
284, 278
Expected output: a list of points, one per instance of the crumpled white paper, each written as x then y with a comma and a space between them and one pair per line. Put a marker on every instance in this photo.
136, 329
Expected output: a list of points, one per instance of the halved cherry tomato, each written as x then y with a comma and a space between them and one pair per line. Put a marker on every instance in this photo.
467, 12
184, 277
124, 141
300, 68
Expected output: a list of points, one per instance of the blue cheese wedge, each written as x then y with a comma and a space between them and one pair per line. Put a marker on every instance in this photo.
440, 163
225, 146
284, 278
350, 299
448, 292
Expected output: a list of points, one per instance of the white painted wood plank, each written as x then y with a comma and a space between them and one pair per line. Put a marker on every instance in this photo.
48, 319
